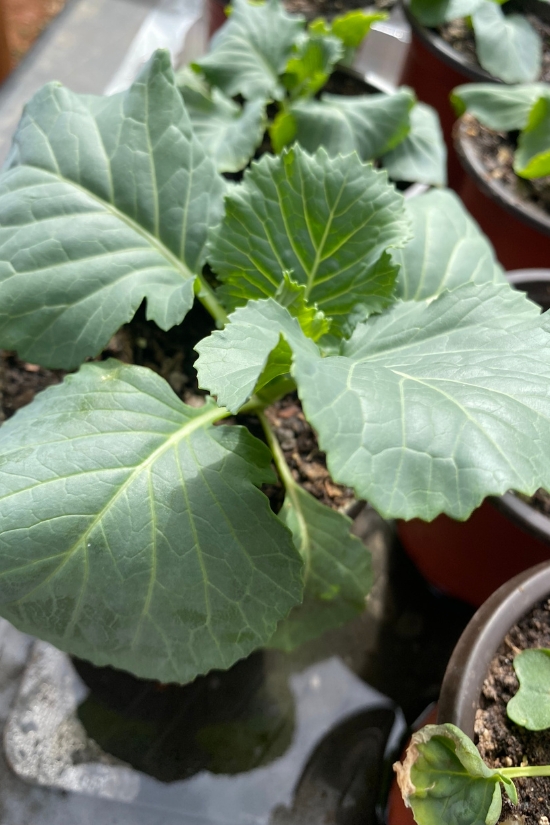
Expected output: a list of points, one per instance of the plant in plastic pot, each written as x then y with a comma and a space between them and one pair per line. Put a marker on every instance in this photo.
496, 690
134, 530
503, 140
475, 40
280, 67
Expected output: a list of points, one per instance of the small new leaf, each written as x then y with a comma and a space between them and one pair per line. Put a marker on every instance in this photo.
530, 707
445, 781
310, 68
328, 220
532, 158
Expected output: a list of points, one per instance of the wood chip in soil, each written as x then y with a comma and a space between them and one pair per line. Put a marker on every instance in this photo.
502, 743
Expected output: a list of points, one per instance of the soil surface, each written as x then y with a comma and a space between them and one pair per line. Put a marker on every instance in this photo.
331, 8
171, 355
25, 20
459, 35
496, 152
501, 742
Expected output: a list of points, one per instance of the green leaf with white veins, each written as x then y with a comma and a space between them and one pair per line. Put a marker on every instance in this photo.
228, 132
507, 46
368, 124
251, 50
422, 155
328, 220
447, 249
105, 201
434, 405
337, 570
133, 532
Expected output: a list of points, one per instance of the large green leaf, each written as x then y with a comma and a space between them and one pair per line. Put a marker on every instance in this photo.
252, 49
329, 221
228, 132
502, 108
421, 156
447, 249
105, 201
133, 532
434, 405
445, 781
337, 571
368, 124
532, 159
507, 46
530, 707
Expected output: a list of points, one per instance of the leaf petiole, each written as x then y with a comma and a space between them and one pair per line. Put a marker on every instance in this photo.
206, 296
528, 770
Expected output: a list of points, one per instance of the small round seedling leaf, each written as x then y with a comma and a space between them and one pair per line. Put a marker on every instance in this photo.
530, 707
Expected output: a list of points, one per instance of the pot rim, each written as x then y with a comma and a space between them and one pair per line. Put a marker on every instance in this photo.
526, 213
439, 47
470, 660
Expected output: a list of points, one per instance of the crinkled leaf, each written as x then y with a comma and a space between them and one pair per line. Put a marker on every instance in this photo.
105, 201
293, 296
530, 707
447, 249
309, 69
228, 132
353, 27
434, 12
368, 124
445, 781
532, 158
434, 405
251, 50
507, 46
133, 532
232, 360
422, 155
328, 220
502, 108
337, 571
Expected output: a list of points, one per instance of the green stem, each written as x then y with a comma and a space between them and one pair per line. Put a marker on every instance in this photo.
206, 296
278, 456
530, 770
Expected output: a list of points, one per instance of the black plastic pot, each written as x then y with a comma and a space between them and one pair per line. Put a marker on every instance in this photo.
447, 552
520, 232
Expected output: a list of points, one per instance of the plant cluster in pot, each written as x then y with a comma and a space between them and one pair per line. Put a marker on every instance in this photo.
473, 40
495, 691
503, 141
134, 532
285, 72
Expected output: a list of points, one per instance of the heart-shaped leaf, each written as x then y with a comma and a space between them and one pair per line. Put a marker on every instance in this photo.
422, 155
228, 132
507, 46
337, 569
133, 532
530, 707
105, 201
447, 249
368, 124
445, 781
292, 213
251, 50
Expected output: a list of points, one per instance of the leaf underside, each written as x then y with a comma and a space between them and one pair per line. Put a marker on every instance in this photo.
133, 532
105, 201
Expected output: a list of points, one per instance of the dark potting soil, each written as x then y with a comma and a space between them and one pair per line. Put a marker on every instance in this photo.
500, 742
496, 152
330, 8
458, 34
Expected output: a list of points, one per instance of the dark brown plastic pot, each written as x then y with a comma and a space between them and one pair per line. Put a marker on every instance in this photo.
468, 666
470, 559
433, 69
520, 232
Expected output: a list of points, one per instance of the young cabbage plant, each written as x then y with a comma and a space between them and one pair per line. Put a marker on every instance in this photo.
445, 781
271, 59
507, 45
133, 530
524, 108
